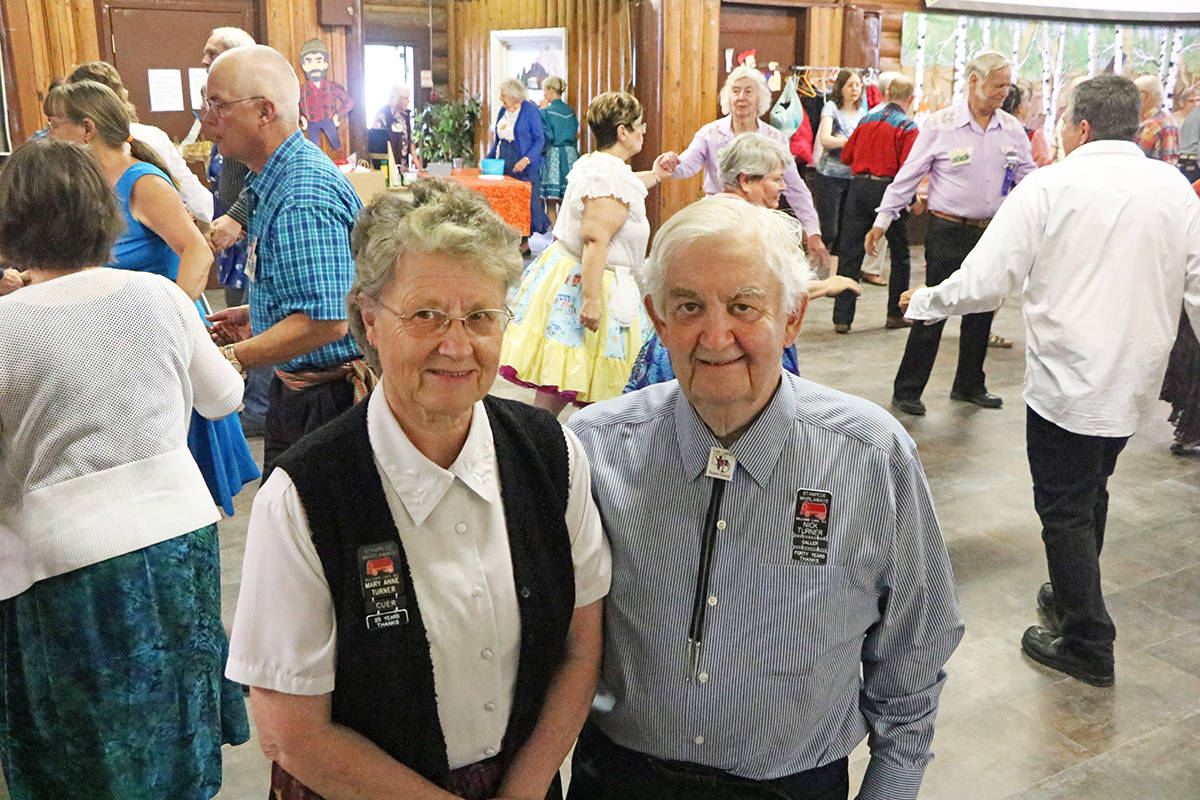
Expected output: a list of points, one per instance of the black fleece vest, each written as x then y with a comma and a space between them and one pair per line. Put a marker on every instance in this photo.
384, 676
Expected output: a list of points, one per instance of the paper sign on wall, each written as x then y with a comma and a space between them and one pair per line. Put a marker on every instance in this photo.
197, 77
166, 89
426, 79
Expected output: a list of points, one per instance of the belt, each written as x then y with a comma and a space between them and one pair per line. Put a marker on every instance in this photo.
880, 178
974, 223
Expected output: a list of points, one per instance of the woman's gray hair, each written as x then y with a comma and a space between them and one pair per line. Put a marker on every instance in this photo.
772, 236
987, 62
514, 89
437, 216
760, 83
752, 155
555, 84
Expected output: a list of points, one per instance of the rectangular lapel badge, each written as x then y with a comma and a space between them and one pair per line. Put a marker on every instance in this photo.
810, 531
381, 575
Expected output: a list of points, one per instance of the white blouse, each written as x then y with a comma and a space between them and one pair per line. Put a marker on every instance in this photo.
603, 175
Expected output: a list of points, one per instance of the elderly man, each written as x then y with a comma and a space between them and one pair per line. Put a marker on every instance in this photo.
231, 179
780, 586
974, 154
1105, 247
298, 254
1157, 134
875, 151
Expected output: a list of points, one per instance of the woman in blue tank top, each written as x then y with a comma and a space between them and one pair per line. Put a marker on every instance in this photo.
159, 237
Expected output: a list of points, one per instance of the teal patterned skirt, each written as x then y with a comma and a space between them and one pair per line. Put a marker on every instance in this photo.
112, 678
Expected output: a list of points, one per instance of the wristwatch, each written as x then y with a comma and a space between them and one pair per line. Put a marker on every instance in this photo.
232, 358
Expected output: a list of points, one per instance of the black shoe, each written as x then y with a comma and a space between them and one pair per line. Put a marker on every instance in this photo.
981, 398
914, 407
1045, 601
1184, 449
1051, 650
840, 328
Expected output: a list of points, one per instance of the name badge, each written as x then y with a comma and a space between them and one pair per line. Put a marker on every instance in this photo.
252, 259
382, 579
960, 157
810, 531
721, 464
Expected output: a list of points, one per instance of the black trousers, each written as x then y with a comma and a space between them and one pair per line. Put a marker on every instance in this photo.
603, 770
829, 195
863, 197
1070, 492
291, 414
946, 246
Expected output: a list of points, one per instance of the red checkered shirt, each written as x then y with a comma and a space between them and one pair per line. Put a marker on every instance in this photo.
322, 102
1158, 136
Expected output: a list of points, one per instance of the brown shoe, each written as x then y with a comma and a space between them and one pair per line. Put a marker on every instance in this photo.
873, 279
897, 322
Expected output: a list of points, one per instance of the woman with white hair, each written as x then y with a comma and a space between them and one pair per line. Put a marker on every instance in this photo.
751, 168
744, 98
519, 140
396, 119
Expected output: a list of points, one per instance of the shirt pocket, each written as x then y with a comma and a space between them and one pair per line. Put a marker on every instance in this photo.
802, 616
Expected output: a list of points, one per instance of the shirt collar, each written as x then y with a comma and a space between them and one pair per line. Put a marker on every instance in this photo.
1102, 147
276, 166
756, 451
418, 482
965, 117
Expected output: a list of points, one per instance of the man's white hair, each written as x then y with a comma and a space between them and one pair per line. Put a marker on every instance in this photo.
1150, 85
229, 38
987, 62
760, 83
261, 71
771, 236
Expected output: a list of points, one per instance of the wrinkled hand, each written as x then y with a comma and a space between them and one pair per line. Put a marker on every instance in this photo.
224, 232
817, 251
521, 164
918, 205
833, 285
667, 162
589, 315
231, 325
906, 297
871, 242
10, 281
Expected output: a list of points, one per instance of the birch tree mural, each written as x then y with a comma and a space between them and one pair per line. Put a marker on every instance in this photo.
960, 60
1093, 53
1047, 108
919, 78
1118, 50
1173, 67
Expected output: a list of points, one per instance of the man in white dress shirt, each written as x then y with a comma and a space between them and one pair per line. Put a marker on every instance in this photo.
1105, 247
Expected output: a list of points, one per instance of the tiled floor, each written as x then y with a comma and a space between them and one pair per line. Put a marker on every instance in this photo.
1008, 728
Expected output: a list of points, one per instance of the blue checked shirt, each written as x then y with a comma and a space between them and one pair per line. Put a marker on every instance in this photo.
800, 662
304, 209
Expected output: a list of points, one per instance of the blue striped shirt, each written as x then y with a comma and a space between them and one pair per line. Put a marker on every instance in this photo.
304, 209
800, 662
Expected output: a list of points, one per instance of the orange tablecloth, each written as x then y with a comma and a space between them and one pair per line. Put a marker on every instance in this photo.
509, 197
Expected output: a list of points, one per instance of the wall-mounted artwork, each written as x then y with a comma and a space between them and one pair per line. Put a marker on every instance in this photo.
530, 55
1048, 55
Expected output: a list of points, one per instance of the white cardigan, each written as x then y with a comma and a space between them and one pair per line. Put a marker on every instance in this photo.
99, 371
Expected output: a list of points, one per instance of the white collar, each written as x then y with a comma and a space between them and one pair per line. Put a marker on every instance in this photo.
419, 483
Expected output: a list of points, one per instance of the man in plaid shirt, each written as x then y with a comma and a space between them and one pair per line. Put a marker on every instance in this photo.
298, 257
1157, 135
323, 104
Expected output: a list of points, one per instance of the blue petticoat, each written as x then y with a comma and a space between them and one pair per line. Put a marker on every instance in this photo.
653, 365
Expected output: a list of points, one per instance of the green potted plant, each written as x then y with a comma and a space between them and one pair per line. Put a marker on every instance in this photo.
445, 129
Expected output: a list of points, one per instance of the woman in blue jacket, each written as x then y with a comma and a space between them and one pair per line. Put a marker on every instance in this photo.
519, 139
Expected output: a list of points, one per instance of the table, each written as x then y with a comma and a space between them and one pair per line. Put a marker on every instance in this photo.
508, 197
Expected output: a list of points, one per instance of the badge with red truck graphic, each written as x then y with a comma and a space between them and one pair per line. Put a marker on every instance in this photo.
810, 531
380, 571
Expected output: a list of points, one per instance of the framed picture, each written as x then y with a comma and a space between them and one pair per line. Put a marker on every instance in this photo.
530, 55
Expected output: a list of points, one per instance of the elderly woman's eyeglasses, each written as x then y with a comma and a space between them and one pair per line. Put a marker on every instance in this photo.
431, 322
218, 107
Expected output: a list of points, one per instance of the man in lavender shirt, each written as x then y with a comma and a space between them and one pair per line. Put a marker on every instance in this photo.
744, 98
973, 153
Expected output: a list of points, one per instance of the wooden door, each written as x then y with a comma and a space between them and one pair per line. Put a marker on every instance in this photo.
144, 35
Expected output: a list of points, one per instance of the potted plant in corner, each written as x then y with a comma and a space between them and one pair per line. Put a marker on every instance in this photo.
445, 129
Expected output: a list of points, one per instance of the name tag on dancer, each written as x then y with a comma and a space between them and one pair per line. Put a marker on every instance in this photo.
721, 464
379, 572
252, 260
810, 531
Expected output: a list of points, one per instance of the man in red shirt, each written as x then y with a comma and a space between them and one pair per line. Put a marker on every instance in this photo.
874, 154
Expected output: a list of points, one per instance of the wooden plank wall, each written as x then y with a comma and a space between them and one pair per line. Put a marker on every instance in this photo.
387, 21
599, 48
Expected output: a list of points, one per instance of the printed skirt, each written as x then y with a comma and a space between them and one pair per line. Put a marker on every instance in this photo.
555, 166
112, 678
547, 348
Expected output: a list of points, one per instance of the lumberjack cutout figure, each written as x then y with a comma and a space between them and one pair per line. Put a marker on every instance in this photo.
323, 103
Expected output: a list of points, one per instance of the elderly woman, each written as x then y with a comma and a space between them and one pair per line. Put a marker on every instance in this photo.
744, 98
396, 119
751, 169
578, 320
561, 125
1017, 104
111, 644
421, 599
519, 139
159, 237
